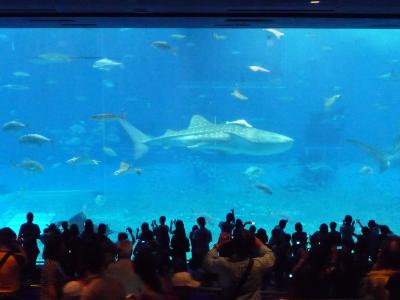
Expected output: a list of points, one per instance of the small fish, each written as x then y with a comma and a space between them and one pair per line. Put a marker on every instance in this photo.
106, 64
219, 37
125, 168
82, 160
178, 36
13, 126
264, 188
163, 45
21, 74
259, 69
253, 172
30, 165
240, 122
51, 58
109, 151
278, 34
392, 75
34, 139
366, 170
108, 83
237, 94
329, 102
100, 200
14, 87
105, 117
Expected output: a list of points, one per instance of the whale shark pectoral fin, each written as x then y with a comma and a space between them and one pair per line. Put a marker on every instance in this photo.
380, 156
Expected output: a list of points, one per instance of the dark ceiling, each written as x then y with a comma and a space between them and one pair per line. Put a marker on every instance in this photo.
200, 13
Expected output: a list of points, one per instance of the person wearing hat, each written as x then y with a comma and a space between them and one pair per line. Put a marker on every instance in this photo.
183, 284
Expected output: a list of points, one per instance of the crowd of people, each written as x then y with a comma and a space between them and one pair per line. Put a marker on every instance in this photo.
152, 263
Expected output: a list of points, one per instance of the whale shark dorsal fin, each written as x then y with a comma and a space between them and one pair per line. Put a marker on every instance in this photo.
198, 121
169, 132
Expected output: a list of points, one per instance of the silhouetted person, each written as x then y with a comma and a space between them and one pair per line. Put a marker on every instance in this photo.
179, 246
201, 243
29, 233
241, 275
155, 286
262, 235
88, 234
162, 233
322, 237
53, 277
299, 239
347, 230
334, 236
98, 286
73, 248
107, 246
253, 229
65, 231
229, 222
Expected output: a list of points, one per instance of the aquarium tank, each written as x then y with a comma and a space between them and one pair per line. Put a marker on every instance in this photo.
123, 125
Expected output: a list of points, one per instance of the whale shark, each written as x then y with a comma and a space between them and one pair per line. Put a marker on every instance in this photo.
203, 135
385, 159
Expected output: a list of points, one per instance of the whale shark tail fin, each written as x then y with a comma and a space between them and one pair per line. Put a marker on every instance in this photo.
380, 156
138, 138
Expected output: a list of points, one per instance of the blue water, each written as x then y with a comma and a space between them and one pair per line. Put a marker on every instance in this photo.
317, 181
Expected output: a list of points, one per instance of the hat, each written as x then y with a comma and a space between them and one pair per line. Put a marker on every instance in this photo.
73, 289
184, 279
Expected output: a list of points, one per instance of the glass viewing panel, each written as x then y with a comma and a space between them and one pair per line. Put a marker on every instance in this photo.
85, 114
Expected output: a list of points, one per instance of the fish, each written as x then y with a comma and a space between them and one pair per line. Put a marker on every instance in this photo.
82, 160
163, 45
203, 135
125, 168
56, 58
329, 102
392, 75
108, 83
178, 36
105, 117
34, 139
278, 34
237, 94
14, 87
240, 122
106, 64
219, 37
366, 170
253, 172
264, 188
52, 58
259, 69
109, 151
30, 165
385, 159
21, 74
13, 126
